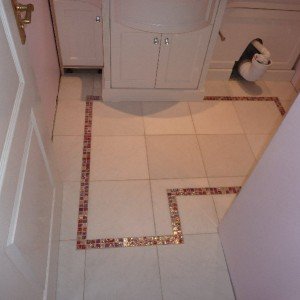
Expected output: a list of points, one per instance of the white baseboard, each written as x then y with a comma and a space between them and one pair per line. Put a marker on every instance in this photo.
271, 75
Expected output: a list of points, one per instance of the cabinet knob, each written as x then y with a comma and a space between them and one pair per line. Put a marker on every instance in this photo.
167, 41
98, 19
156, 41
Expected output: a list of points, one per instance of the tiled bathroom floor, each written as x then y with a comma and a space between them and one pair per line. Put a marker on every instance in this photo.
138, 152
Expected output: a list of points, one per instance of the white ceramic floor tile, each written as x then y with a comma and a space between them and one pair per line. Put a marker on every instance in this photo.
258, 143
215, 117
122, 118
97, 85
70, 118
68, 154
195, 270
122, 274
75, 87
120, 209
70, 283
284, 90
258, 117
70, 205
287, 104
176, 156
115, 158
197, 214
217, 88
160, 200
167, 118
70, 89
246, 88
223, 203
226, 181
226, 155
87, 84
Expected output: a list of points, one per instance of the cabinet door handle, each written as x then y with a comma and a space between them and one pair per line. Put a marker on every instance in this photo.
98, 19
222, 37
167, 41
156, 41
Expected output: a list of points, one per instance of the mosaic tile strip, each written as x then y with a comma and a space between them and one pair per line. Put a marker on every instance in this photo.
177, 236
246, 98
93, 98
85, 177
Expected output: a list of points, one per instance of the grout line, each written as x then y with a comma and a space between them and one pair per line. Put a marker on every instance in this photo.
198, 143
246, 136
68, 240
159, 272
158, 179
152, 202
215, 206
239, 118
201, 234
148, 167
84, 275
227, 267
149, 135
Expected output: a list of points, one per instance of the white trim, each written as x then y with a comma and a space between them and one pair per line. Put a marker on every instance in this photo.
11, 249
46, 287
20, 185
18, 100
271, 75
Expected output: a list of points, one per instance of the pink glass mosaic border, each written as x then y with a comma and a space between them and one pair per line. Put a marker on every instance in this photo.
245, 98
177, 236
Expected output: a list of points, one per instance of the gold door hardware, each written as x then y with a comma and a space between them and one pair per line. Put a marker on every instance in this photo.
222, 37
23, 17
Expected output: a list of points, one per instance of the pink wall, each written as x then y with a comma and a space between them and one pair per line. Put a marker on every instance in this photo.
43, 55
261, 232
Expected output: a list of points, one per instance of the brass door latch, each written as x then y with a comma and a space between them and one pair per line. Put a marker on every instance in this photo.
222, 37
23, 17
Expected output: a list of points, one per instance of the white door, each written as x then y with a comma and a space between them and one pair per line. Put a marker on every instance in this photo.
29, 192
134, 57
181, 59
80, 28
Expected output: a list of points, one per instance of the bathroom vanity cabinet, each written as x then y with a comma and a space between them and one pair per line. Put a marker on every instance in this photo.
149, 50
153, 60
181, 59
158, 50
79, 32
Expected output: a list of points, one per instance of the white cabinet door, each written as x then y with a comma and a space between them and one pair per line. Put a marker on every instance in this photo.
134, 57
30, 194
80, 32
181, 59
278, 29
